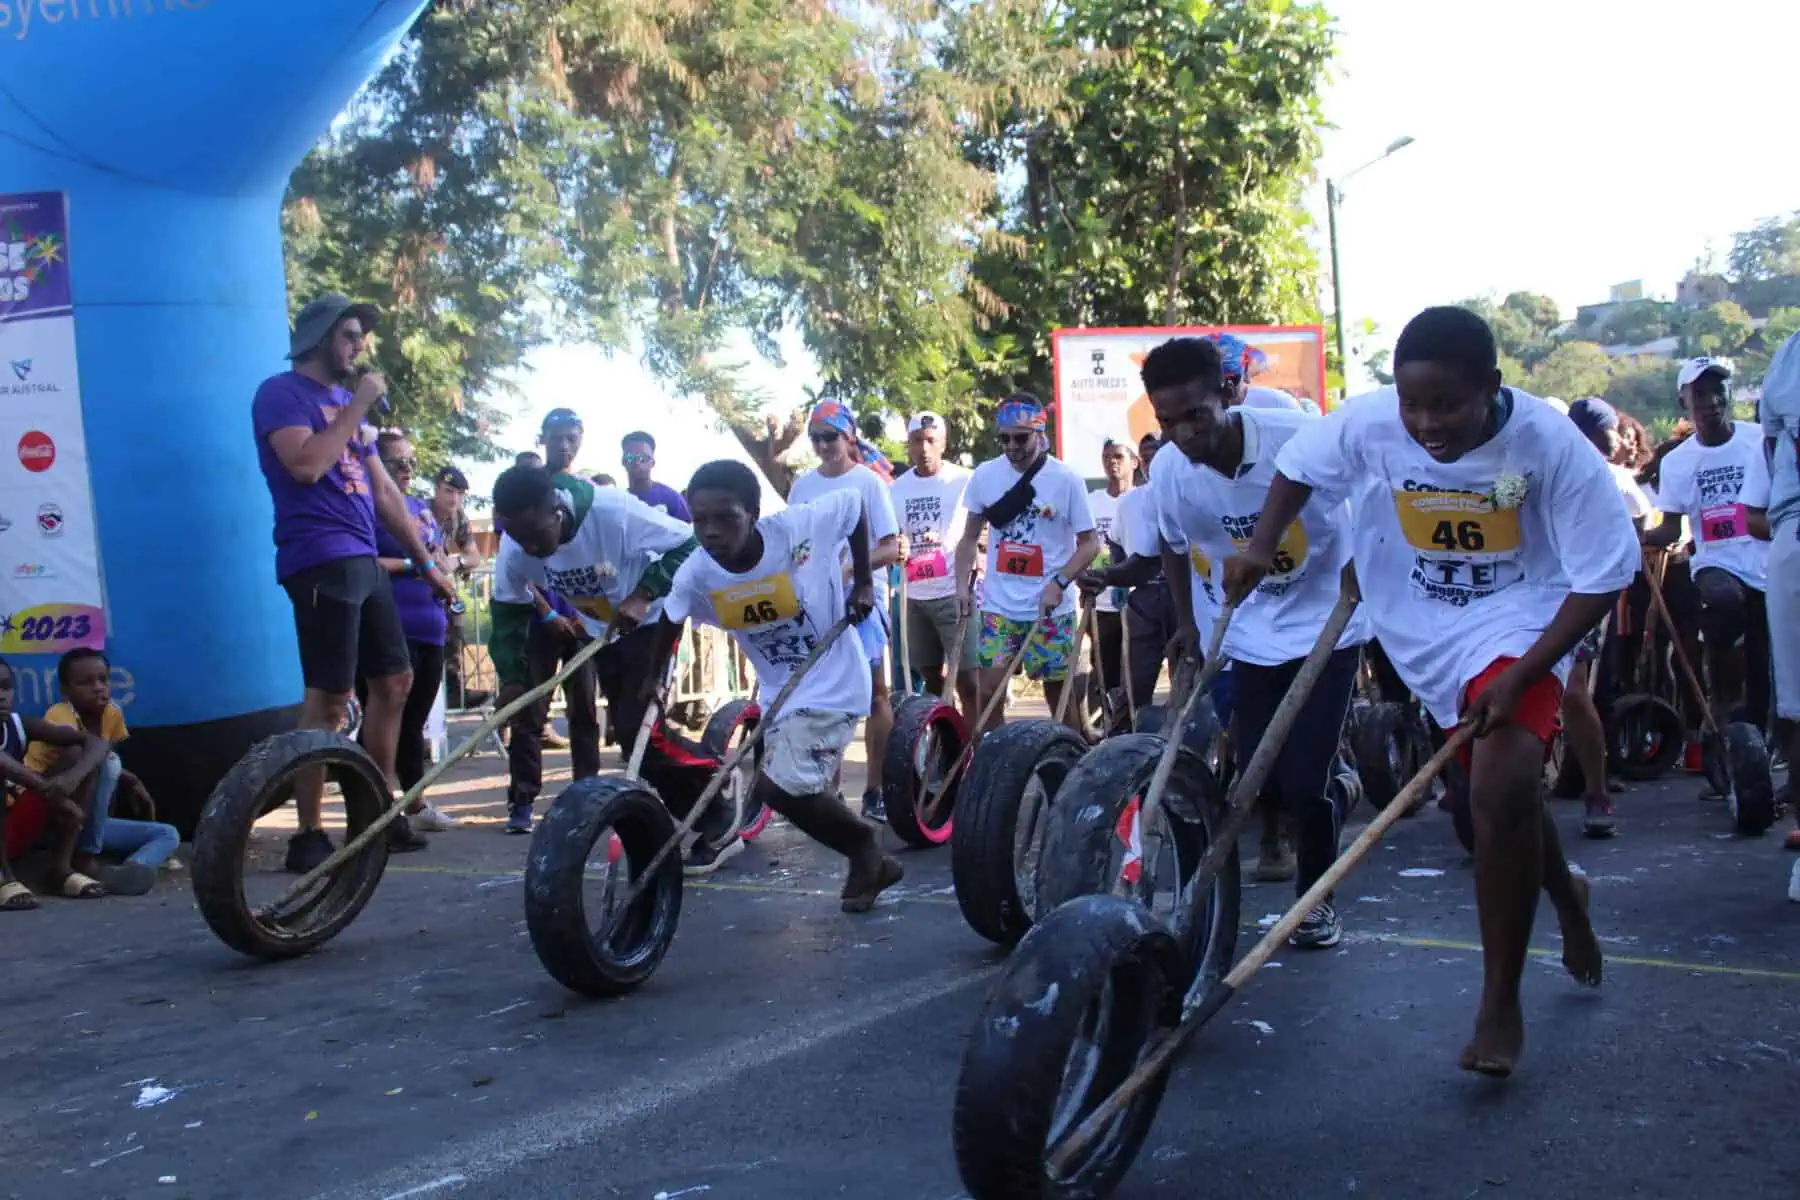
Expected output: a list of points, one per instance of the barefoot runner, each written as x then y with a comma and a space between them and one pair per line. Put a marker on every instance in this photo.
1208, 485
611, 556
1504, 544
775, 584
1043, 538
1599, 424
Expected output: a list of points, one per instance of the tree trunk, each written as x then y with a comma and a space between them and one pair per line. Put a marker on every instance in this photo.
1178, 246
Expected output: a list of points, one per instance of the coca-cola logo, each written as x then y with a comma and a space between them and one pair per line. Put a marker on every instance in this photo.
36, 451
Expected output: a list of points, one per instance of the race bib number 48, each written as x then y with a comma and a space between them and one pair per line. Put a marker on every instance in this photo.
1017, 558
1724, 523
927, 564
766, 601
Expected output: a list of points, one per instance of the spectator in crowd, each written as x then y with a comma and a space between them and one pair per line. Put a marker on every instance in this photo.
1242, 362
639, 460
604, 480
85, 677
53, 808
448, 506
425, 621
528, 458
928, 500
329, 489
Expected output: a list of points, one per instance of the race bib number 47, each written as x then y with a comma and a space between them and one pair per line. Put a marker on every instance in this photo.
766, 601
1017, 558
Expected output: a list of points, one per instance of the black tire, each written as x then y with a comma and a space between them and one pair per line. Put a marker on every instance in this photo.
1379, 742
729, 724
1027, 1042
555, 874
1085, 849
997, 898
1752, 786
261, 782
1202, 736
1645, 736
922, 725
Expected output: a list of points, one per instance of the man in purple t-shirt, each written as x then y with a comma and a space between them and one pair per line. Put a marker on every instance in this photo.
639, 461
329, 487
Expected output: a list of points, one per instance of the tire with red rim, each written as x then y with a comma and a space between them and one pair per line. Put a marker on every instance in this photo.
729, 725
928, 739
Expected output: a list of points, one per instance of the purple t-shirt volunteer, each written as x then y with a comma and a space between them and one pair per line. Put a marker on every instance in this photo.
661, 495
321, 522
422, 614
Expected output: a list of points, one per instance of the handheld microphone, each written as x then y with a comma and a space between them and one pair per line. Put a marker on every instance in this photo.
382, 399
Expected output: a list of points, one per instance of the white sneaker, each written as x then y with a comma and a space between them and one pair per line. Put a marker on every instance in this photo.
1794, 885
430, 820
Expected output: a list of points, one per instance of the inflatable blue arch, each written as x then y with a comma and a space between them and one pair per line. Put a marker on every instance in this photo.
171, 127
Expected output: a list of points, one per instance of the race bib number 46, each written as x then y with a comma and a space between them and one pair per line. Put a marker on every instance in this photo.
1456, 523
766, 601
1017, 558
1724, 523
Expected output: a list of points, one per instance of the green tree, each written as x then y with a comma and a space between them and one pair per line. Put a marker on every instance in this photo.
1720, 329
1572, 370
1768, 251
1644, 386
1641, 321
1519, 324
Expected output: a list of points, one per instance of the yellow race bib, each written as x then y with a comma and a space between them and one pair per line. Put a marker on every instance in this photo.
1290, 554
1202, 564
1455, 523
766, 601
595, 608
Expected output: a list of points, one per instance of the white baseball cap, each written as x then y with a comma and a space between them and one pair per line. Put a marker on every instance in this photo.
925, 420
1694, 368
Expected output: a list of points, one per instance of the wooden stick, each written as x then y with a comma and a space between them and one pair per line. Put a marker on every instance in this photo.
1151, 807
1125, 666
744, 748
905, 658
1165, 1047
930, 812
1248, 785
1687, 667
350, 849
1082, 621
657, 706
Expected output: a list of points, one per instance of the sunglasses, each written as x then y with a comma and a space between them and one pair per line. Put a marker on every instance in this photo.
825, 437
637, 460
401, 464
1018, 439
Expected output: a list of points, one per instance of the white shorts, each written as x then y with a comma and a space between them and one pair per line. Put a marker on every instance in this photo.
802, 753
1783, 599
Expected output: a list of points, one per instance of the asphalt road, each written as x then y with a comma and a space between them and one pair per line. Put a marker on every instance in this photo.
786, 1050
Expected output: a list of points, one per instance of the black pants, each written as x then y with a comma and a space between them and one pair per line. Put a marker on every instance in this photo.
1733, 611
409, 749
1109, 632
1153, 621
1304, 766
678, 768
545, 651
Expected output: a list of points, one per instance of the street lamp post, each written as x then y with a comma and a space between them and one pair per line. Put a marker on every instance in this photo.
1334, 196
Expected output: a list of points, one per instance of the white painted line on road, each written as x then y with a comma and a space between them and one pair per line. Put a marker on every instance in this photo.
539, 1135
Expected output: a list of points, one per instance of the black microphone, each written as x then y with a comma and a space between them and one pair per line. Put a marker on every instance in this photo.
382, 399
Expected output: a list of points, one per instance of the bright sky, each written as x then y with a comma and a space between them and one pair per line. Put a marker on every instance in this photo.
1562, 146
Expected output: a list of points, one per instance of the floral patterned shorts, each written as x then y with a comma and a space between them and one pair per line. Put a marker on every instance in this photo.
1050, 646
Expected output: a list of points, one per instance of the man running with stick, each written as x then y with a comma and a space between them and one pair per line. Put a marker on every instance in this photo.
1208, 489
776, 585
1503, 543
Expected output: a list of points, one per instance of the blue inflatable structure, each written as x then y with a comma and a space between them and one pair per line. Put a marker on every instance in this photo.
171, 126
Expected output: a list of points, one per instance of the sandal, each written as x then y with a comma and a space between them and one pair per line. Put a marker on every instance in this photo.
76, 886
16, 897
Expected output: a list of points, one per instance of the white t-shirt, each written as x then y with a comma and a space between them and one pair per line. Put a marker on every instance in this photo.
874, 493
1266, 397
1712, 486
1201, 510
617, 540
931, 513
1637, 504
1025, 553
1137, 524
779, 609
1450, 583
1106, 510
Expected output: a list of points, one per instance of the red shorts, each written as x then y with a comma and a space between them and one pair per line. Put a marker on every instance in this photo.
25, 820
1539, 710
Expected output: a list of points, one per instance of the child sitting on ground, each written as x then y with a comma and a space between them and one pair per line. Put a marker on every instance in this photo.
133, 834
31, 801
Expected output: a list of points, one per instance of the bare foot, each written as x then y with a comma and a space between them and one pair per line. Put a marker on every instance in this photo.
1581, 949
1497, 1044
865, 884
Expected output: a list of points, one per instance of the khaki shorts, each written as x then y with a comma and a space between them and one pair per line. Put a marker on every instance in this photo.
802, 753
1784, 617
931, 631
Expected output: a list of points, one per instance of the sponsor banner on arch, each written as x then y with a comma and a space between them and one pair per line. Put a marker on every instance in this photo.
1099, 394
51, 598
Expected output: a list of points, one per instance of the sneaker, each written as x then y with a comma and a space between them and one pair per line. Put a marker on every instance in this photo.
553, 740
1320, 929
703, 858
307, 849
430, 820
874, 808
404, 839
1794, 885
1275, 864
518, 817
1599, 821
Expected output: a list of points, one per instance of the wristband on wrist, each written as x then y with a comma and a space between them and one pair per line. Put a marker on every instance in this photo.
1059, 581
